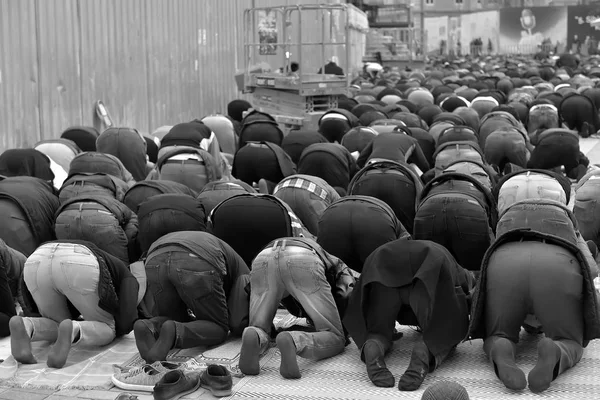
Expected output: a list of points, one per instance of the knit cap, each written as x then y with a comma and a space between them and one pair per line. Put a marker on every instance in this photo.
445, 390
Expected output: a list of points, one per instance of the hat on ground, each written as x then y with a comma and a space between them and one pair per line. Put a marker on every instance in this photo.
445, 390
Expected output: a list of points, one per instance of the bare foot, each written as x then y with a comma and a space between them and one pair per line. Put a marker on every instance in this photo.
57, 358
289, 363
20, 342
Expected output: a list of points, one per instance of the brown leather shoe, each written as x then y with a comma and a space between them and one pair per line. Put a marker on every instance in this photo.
176, 384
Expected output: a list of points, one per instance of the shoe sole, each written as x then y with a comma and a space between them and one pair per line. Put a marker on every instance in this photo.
179, 395
131, 386
217, 393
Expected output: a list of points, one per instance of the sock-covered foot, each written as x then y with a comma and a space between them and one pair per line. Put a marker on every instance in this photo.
546, 369
20, 341
289, 363
164, 344
377, 370
250, 353
503, 359
263, 187
144, 337
57, 358
417, 369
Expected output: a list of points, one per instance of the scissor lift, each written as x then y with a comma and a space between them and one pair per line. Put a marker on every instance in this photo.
309, 35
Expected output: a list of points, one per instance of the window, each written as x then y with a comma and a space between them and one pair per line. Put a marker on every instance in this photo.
458, 1
429, 2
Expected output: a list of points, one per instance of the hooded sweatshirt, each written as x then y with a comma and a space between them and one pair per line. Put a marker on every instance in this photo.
26, 162
129, 146
99, 163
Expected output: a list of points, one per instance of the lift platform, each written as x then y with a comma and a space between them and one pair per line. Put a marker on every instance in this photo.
293, 45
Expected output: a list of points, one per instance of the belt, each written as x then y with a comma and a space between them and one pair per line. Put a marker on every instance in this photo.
300, 183
283, 243
255, 144
532, 239
188, 161
86, 206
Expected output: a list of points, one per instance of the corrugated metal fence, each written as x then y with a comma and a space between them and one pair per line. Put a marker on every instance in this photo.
152, 62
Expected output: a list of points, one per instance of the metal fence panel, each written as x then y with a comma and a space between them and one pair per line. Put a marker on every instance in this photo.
152, 62
60, 73
19, 74
113, 60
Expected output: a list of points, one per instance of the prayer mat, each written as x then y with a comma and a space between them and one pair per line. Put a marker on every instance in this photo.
85, 368
345, 377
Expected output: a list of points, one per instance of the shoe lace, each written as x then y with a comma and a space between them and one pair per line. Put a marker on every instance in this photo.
138, 370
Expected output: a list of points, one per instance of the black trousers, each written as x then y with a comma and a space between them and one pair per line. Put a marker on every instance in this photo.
459, 224
248, 224
255, 162
352, 230
395, 189
7, 303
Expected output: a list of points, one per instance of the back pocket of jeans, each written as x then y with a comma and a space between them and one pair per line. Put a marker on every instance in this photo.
470, 227
585, 210
423, 227
197, 284
304, 275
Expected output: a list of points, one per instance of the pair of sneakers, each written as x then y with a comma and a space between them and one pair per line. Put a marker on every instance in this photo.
169, 380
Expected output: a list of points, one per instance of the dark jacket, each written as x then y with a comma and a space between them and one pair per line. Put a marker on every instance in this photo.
337, 174
395, 147
37, 198
352, 120
332, 69
93, 163
13, 262
83, 136
189, 134
117, 288
193, 135
127, 218
26, 162
426, 142
337, 273
128, 146
285, 163
195, 217
295, 142
591, 312
110, 182
436, 279
236, 274
142, 191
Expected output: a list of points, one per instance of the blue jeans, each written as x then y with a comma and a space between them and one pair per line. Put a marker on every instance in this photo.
188, 290
291, 270
458, 223
94, 223
587, 210
58, 273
